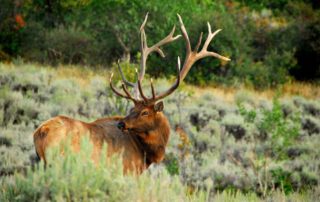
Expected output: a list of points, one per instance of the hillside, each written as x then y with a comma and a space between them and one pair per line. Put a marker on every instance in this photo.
262, 143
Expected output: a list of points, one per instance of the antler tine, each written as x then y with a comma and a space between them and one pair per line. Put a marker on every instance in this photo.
144, 22
116, 91
128, 83
164, 41
173, 87
210, 36
127, 92
199, 43
152, 89
185, 35
193, 56
143, 36
140, 89
204, 52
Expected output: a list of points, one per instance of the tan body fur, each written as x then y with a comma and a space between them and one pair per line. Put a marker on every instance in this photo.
139, 149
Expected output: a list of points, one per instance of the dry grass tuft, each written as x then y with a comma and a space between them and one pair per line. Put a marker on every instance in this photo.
307, 90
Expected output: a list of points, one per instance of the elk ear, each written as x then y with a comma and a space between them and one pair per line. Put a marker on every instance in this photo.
158, 107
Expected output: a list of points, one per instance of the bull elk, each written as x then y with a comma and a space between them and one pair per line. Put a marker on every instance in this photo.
143, 134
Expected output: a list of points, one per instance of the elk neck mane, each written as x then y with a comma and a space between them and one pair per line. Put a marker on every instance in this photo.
154, 150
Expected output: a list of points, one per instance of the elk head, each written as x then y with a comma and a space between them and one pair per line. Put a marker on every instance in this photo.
147, 112
142, 117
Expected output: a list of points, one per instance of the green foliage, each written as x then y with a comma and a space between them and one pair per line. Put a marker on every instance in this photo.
278, 5
283, 178
283, 131
172, 164
268, 41
249, 115
10, 32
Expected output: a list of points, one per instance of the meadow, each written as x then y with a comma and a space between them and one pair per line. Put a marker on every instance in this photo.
226, 144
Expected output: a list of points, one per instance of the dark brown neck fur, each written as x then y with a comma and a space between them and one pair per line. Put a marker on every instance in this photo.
153, 143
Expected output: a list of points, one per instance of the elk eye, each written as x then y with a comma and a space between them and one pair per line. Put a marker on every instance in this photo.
145, 113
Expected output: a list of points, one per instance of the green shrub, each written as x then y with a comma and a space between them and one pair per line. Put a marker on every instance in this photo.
268, 41
283, 131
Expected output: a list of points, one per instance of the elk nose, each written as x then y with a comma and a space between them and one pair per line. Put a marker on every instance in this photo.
121, 125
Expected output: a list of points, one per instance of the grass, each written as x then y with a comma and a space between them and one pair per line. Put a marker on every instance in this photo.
296, 88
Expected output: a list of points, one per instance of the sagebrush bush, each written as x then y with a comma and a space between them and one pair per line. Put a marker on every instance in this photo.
75, 177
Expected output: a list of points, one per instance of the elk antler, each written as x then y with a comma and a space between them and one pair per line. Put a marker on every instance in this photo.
193, 56
128, 83
190, 59
145, 51
127, 96
161, 95
154, 97
171, 89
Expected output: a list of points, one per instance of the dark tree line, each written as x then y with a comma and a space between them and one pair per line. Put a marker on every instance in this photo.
269, 42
